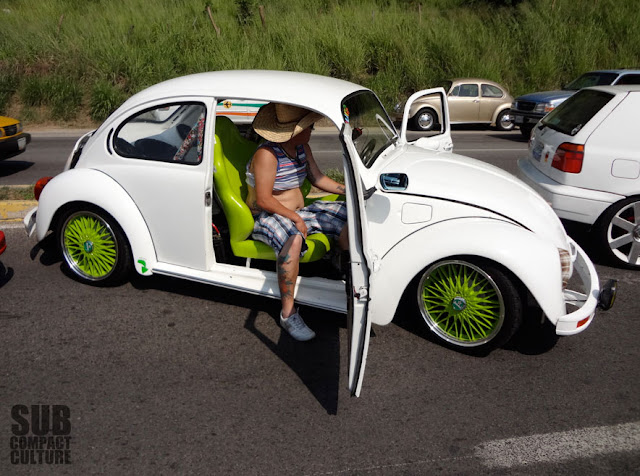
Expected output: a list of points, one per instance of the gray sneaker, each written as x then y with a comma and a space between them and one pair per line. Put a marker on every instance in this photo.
296, 327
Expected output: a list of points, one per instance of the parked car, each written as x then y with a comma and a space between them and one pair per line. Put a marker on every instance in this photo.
584, 159
12, 139
3, 242
468, 241
471, 101
527, 110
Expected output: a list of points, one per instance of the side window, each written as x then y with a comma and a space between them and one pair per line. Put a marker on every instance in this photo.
455, 91
629, 79
468, 90
167, 133
490, 91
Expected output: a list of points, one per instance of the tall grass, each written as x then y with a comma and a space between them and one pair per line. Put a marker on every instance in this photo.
106, 50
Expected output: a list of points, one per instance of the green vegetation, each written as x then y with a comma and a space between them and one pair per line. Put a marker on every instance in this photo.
17, 192
80, 58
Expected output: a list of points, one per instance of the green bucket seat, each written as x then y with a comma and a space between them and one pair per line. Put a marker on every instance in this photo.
231, 153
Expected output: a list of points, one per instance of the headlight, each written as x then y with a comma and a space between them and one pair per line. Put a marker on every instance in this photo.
544, 107
1, 132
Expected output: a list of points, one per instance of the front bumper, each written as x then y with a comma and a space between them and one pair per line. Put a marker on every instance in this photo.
30, 221
586, 300
15, 143
569, 203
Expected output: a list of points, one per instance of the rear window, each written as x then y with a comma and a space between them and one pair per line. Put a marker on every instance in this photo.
575, 112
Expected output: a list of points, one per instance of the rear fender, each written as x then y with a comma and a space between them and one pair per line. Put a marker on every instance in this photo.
535, 262
96, 188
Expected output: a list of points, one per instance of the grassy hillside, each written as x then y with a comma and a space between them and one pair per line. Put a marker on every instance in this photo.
76, 60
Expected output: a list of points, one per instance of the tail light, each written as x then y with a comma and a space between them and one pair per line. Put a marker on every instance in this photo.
37, 189
3, 243
568, 158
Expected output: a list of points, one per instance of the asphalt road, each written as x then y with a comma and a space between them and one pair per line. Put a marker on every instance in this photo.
162, 376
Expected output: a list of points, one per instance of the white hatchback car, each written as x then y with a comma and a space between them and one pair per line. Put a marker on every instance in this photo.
584, 159
470, 242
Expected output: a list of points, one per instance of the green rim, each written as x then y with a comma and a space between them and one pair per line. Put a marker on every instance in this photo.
89, 246
461, 303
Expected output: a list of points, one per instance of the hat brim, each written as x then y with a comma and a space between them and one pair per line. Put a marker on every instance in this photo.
266, 124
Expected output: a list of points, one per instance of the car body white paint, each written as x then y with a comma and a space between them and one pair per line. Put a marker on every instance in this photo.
452, 206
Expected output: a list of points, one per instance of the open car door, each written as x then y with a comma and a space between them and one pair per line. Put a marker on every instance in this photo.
357, 282
441, 142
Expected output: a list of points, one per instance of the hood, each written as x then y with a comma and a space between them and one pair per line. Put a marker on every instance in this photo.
465, 180
546, 96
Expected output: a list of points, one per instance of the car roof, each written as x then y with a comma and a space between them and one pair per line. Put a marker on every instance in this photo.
617, 71
319, 93
618, 89
476, 80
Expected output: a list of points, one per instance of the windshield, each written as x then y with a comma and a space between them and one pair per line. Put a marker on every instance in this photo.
372, 129
591, 79
575, 112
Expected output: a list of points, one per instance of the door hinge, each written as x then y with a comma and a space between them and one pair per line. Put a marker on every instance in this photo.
361, 293
207, 198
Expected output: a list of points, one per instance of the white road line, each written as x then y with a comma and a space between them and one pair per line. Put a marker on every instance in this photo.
561, 446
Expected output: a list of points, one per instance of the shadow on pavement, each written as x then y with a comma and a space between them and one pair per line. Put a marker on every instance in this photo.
5, 274
13, 167
316, 363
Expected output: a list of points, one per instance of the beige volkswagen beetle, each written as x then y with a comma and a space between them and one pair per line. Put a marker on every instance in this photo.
471, 101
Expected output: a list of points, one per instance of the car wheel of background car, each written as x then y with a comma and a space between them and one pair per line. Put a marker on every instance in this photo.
525, 130
94, 246
425, 119
618, 233
504, 122
473, 306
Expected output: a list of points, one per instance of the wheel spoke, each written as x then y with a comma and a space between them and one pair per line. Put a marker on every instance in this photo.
620, 241
634, 254
622, 223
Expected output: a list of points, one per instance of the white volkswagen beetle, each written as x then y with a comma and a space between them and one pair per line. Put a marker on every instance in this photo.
469, 241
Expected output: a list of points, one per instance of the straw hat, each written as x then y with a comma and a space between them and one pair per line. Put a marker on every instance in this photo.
280, 122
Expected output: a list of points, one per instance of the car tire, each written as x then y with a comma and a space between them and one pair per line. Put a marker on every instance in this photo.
471, 305
503, 124
93, 246
424, 120
617, 233
525, 130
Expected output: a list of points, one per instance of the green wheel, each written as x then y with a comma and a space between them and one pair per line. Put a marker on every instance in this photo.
94, 247
469, 305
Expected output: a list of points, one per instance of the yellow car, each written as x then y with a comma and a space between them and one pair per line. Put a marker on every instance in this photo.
12, 139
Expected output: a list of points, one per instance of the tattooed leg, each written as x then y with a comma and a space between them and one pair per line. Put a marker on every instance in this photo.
287, 266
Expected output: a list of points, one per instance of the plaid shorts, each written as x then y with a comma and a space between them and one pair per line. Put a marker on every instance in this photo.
320, 217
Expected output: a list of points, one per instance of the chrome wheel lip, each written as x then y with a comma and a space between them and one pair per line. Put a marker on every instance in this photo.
71, 262
436, 329
632, 235
506, 124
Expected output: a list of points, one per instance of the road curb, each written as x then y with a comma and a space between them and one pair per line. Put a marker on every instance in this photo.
15, 210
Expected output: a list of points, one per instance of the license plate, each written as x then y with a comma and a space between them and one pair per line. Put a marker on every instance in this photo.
22, 143
518, 119
536, 153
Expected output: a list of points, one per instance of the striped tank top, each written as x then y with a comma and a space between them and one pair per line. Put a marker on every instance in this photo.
290, 173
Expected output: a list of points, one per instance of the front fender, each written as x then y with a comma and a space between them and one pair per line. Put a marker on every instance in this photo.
534, 261
97, 188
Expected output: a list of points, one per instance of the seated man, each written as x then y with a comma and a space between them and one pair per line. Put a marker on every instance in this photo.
274, 177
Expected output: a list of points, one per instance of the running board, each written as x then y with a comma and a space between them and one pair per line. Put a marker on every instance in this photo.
317, 292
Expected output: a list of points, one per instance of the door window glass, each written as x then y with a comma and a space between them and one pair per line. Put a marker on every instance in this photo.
167, 133
629, 79
455, 91
490, 91
468, 90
